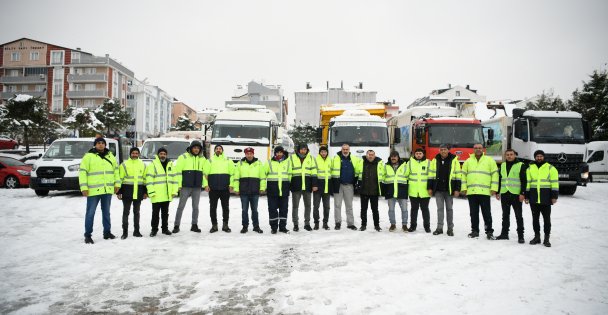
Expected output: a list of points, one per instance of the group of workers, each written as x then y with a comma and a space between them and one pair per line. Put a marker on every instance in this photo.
313, 180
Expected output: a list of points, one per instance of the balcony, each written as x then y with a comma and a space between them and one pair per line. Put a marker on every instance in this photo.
88, 94
74, 78
30, 79
7, 95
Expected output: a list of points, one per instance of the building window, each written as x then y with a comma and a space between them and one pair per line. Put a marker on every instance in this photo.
457, 93
89, 87
91, 70
58, 90
16, 56
75, 56
40, 88
57, 106
58, 74
11, 88
34, 55
57, 57
89, 103
13, 73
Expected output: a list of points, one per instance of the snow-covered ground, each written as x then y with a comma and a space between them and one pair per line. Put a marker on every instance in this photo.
46, 268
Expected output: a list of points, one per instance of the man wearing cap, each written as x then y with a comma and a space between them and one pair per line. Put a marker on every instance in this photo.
162, 187
303, 181
444, 182
395, 189
219, 171
132, 190
512, 185
417, 173
249, 181
542, 190
479, 182
323, 187
189, 169
344, 172
99, 180
278, 175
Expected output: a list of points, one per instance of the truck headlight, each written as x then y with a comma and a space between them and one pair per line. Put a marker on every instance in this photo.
585, 175
24, 173
74, 168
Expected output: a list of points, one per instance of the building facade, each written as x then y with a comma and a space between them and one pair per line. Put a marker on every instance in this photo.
451, 97
60, 76
308, 102
180, 108
260, 94
150, 107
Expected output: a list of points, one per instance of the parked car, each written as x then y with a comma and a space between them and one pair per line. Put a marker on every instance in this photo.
597, 152
13, 173
22, 155
7, 143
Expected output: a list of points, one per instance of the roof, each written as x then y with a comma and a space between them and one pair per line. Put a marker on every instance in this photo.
16, 40
564, 114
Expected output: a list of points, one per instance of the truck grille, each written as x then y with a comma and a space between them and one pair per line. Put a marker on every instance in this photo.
571, 164
50, 172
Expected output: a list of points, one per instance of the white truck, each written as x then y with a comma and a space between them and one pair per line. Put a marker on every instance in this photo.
59, 167
175, 147
562, 135
362, 131
245, 125
597, 152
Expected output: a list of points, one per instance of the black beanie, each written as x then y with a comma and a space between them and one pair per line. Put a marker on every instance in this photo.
100, 139
162, 150
134, 149
278, 148
537, 152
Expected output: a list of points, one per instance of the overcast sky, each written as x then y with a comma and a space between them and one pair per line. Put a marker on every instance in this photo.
198, 51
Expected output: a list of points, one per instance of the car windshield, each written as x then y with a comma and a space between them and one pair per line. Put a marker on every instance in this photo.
72, 149
174, 148
457, 135
11, 162
358, 136
557, 130
230, 133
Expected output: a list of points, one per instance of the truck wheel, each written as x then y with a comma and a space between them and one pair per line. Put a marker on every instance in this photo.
11, 182
41, 192
567, 190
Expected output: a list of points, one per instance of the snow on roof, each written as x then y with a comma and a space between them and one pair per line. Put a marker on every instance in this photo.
536, 113
352, 106
22, 97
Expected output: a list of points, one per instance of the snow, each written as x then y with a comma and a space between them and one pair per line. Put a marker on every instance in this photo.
22, 98
46, 268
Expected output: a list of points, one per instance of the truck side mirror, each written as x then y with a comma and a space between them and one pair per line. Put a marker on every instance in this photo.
319, 134
490, 134
396, 135
419, 135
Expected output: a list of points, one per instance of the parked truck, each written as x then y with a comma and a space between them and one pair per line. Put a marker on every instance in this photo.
428, 127
562, 135
597, 159
245, 125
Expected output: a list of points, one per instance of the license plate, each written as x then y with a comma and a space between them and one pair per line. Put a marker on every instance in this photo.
48, 180
564, 175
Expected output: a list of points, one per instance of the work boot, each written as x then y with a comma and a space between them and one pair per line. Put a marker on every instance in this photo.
490, 236
109, 236
257, 229
338, 226
536, 239
427, 229
296, 228
378, 229
316, 226
362, 228
153, 233
450, 232
88, 240
325, 226
213, 228
137, 234
352, 227
244, 229
307, 228
473, 235
412, 228
284, 230
392, 228
546, 241
503, 236
225, 228
273, 231
520, 238
438, 231
194, 228
175, 229
166, 232
404, 228
125, 234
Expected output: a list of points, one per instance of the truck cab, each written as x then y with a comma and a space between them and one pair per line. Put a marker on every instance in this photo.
597, 152
362, 131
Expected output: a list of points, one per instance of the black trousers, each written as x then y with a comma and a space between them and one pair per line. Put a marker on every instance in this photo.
507, 201
278, 207
317, 198
373, 200
125, 213
423, 204
163, 209
224, 197
537, 210
475, 202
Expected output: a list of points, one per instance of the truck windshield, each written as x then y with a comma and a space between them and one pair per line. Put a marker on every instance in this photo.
231, 133
358, 136
174, 148
72, 149
557, 130
458, 135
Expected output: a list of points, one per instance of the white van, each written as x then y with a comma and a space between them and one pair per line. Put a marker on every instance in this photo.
58, 168
597, 152
175, 147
